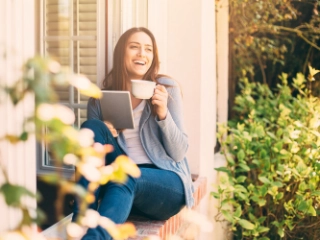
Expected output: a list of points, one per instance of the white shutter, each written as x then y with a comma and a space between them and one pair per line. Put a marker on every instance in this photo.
72, 31
70, 34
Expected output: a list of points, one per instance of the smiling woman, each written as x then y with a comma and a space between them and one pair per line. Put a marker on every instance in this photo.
157, 144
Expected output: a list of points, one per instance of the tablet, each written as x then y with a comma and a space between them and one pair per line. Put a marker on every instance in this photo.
116, 108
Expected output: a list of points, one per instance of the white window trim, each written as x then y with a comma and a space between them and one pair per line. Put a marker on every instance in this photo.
123, 15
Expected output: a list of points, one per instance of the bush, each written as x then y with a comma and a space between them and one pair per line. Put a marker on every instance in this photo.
270, 187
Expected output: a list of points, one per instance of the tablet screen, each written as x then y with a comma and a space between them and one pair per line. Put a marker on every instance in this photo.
116, 108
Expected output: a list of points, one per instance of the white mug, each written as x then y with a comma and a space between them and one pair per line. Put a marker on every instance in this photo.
142, 89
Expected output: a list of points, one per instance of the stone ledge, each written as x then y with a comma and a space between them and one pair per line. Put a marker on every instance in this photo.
146, 227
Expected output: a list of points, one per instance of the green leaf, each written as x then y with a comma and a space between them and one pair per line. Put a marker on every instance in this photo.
279, 195
280, 232
244, 167
241, 155
241, 179
260, 131
246, 224
223, 169
14, 193
264, 180
51, 178
277, 184
24, 136
240, 188
262, 219
271, 134
315, 193
312, 211
238, 212
230, 160
262, 229
41, 216
215, 195
227, 215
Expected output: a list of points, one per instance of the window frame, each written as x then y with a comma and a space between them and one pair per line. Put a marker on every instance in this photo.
101, 6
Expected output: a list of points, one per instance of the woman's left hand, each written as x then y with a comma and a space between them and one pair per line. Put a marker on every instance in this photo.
160, 101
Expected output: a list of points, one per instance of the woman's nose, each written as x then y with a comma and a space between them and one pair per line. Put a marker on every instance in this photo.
141, 52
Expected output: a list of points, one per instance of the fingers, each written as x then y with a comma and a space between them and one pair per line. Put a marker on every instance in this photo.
113, 131
160, 95
160, 100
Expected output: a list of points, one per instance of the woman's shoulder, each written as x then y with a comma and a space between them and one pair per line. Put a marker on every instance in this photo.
166, 80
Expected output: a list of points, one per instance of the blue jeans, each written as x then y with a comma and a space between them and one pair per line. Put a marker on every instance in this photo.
157, 194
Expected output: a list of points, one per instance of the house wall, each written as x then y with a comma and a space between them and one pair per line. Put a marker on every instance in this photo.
185, 32
16, 45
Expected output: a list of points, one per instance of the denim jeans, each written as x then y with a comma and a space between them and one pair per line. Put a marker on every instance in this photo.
157, 194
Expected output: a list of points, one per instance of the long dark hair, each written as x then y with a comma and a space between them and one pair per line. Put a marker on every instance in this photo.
118, 76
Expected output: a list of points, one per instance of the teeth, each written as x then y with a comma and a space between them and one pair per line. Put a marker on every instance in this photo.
140, 62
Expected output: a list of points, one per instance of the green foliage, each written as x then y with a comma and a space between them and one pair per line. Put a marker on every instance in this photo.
270, 188
268, 37
268, 33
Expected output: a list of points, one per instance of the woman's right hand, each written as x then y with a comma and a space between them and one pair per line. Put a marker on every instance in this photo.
113, 131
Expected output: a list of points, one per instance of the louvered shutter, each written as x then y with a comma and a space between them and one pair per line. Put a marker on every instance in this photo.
70, 34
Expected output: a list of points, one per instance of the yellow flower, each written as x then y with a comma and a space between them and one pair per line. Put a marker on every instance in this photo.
128, 166
312, 72
85, 86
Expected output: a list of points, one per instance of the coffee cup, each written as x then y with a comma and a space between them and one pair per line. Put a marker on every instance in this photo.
142, 89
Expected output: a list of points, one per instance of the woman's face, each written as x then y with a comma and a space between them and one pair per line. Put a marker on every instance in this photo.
138, 55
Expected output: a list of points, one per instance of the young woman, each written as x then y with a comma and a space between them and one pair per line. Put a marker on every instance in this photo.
158, 144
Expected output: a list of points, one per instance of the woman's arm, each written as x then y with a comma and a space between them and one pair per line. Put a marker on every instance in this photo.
175, 141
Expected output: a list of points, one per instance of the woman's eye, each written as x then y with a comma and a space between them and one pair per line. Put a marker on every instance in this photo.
133, 47
149, 50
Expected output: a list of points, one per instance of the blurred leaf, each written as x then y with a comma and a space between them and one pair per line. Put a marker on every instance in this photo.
246, 224
244, 167
13, 194
241, 155
264, 180
223, 169
227, 215
53, 178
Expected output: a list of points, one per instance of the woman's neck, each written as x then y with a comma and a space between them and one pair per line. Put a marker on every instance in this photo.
135, 101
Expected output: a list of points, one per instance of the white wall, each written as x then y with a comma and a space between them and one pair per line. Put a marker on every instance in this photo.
223, 60
191, 60
16, 45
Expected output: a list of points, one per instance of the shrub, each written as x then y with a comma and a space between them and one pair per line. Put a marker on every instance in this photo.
270, 186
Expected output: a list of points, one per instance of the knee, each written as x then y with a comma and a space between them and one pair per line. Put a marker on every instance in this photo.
93, 124
100, 130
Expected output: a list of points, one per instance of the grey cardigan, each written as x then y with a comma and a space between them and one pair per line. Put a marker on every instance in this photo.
164, 142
